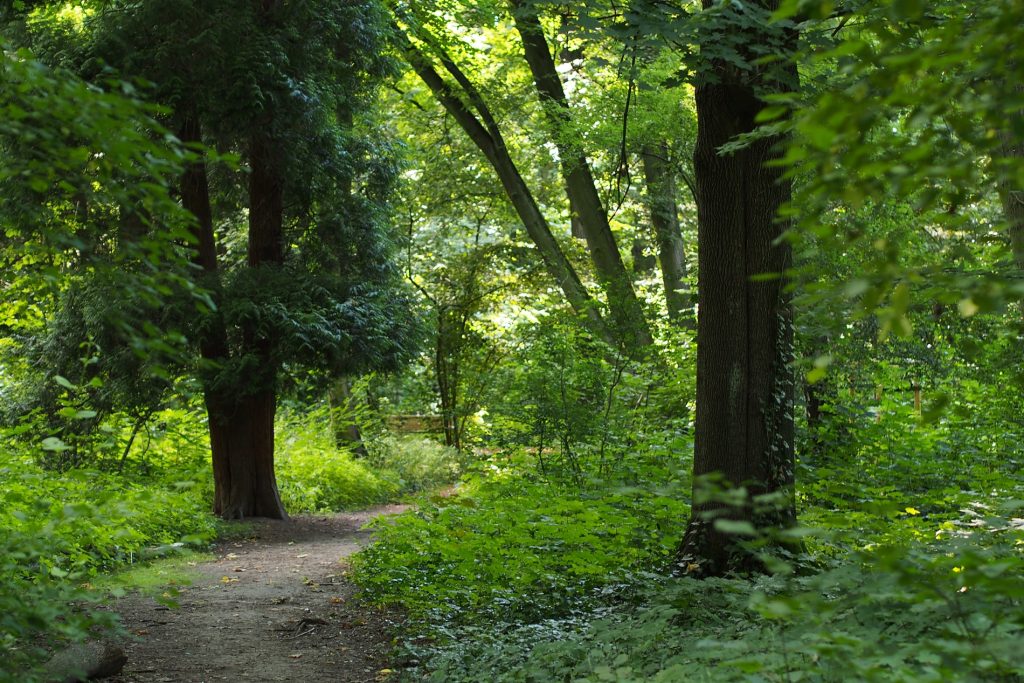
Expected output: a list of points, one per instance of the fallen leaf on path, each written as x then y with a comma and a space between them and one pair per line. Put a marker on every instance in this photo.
337, 600
296, 656
228, 579
299, 557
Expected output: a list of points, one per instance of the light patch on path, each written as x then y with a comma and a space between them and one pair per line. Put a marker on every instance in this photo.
272, 607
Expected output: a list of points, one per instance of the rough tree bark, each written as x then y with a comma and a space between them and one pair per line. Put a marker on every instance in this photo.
744, 416
661, 198
244, 483
626, 309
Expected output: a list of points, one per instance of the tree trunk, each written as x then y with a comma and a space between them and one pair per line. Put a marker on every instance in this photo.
244, 484
626, 309
643, 263
1011, 193
744, 417
242, 430
346, 432
661, 198
446, 371
487, 137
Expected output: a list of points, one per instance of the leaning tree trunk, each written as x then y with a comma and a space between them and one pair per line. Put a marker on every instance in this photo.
744, 416
623, 303
483, 130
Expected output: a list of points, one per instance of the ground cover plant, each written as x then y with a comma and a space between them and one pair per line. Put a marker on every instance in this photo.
60, 534
898, 579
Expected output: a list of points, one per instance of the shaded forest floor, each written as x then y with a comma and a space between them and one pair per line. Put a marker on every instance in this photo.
274, 605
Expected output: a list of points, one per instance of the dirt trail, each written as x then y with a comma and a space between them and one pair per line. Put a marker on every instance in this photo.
272, 607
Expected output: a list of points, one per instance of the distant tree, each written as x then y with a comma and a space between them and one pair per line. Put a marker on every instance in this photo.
436, 57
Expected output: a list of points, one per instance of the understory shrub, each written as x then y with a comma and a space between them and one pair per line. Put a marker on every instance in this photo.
949, 609
34, 598
322, 481
509, 548
57, 533
314, 474
523, 578
414, 463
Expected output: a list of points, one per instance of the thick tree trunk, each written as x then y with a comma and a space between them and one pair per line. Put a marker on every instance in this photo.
247, 485
242, 432
626, 309
661, 198
242, 462
241, 449
487, 137
744, 417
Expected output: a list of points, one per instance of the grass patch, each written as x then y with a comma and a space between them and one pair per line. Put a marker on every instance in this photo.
157, 578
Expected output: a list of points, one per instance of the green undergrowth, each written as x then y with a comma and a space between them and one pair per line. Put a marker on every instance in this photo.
512, 548
315, 475
60, 534
80, 524
98, 521
519, 579
946, 610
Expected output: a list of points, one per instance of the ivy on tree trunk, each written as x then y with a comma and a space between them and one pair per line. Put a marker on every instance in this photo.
744, 417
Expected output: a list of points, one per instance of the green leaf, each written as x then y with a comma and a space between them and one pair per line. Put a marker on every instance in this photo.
735, 527
52, 443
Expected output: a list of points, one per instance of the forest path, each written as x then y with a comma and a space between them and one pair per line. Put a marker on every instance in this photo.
274, 606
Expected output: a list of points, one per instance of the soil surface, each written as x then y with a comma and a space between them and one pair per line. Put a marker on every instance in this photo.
275, 606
